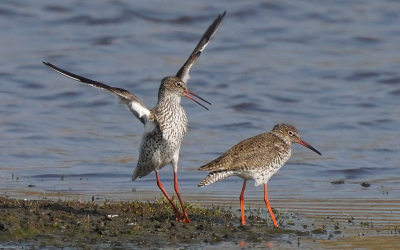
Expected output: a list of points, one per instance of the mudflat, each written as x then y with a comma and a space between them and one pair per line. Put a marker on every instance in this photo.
124, 225
55, 224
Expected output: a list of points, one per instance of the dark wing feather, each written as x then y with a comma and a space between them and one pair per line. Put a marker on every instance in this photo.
133, 103
183, 73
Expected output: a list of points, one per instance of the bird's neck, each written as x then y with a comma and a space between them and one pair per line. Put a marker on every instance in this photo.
165, 100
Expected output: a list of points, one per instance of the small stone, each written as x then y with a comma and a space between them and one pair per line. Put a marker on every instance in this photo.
365, 184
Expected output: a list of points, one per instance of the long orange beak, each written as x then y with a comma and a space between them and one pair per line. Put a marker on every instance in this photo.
305, 144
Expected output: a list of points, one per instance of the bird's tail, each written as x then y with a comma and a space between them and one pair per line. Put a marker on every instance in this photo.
141, 172
214, 177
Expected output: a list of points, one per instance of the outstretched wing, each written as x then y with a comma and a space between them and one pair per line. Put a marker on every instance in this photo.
133, 103
183, 73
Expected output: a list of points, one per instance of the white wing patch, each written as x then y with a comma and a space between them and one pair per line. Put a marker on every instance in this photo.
141, 112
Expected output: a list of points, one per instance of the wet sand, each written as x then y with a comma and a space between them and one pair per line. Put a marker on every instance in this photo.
55, 224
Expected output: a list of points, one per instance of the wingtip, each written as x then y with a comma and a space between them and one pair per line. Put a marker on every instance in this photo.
48, 64
221, 16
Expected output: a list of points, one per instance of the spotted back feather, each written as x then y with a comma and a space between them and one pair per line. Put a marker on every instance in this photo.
258, 158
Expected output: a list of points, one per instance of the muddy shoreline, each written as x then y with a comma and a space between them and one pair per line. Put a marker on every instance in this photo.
73, 224
124, 225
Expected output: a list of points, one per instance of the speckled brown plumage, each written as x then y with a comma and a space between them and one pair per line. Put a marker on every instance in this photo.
161, 143
257, 158
261, 156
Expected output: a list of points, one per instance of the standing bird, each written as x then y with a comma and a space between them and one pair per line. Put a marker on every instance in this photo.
165, 124
257, 158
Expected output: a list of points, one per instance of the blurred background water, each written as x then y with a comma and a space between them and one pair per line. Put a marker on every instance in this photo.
330, 68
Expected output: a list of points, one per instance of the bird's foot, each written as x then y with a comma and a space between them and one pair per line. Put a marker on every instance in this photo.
179, 216
185, 219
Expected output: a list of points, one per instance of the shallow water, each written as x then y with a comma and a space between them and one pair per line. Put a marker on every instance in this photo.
329, 68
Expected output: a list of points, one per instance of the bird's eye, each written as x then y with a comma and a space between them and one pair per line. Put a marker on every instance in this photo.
178, 84
290, 133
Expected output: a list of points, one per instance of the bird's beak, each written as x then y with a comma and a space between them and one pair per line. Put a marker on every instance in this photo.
305, 144
188, 93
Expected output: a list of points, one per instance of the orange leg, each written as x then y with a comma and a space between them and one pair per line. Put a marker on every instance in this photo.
268, 206
241, 198
185, 217
178, 214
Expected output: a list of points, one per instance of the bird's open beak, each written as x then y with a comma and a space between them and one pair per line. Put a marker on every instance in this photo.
188, 93
305, 144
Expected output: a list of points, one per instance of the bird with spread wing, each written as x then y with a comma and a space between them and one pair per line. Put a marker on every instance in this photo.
166, 124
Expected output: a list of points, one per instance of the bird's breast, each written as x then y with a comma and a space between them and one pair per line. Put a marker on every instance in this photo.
173, 123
